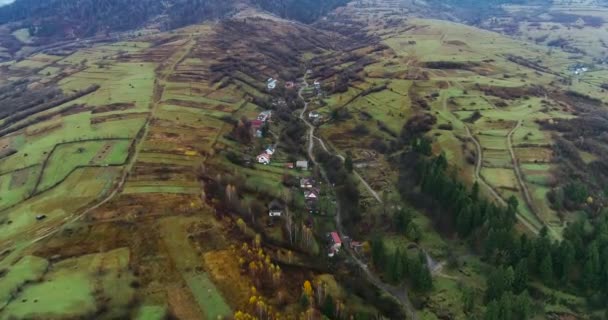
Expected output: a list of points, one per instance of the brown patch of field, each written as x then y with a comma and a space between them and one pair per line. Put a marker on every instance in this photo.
136, 206
19, 178
189, 104
534, 154
224, 269
156, 171
117, 117
75, 109
457, 43
45, 128
5, 147
113, 107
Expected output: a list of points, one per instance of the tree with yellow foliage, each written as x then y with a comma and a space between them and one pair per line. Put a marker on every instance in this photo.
307, 289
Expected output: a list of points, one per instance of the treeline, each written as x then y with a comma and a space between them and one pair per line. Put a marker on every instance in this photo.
577, 264
83, 18
306, 11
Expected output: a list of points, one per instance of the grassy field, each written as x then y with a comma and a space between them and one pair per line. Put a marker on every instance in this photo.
72, 287
67, 157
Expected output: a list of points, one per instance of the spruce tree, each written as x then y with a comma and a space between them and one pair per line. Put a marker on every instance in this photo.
329, 307
546, 269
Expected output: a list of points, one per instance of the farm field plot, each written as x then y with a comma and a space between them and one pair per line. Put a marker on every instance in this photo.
67, 157
58, 203
500, 178
539, 174
123, 82
154, 186
17, 185
534, 154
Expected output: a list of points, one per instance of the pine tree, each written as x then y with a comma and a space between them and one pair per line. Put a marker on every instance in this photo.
520, 281
329, 308
492, 311
475, 192
378, 252
546, 269
348, 163
463, 222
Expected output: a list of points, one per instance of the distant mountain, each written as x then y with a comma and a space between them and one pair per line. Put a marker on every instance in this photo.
82, 18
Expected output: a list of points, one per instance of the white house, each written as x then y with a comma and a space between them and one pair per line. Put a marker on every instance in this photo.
265, 115
302, 164
270, 150
271, 83
317, 84
313, 115
264, 158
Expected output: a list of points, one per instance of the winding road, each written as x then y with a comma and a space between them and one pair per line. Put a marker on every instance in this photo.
399, 294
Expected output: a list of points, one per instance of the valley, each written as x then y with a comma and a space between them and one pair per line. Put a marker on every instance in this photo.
384, 161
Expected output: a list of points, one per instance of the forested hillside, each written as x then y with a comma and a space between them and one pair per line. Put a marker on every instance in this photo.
83, 18
303, 10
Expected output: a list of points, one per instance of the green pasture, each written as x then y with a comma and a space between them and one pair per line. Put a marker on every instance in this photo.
71, 288
57, 203
17, 185
500, 178
208, 296
66, 157
28, 269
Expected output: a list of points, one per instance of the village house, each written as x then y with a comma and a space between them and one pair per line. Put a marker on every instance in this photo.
256, 127
317, 85
311, 194
275, 209
264, 158
265, 115
302, 164
307, 183
271, 83
314, 115
335, 243
270, 150
289, 85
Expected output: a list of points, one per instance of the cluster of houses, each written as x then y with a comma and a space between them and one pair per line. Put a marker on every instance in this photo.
257, 124
271, 84
578, 69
